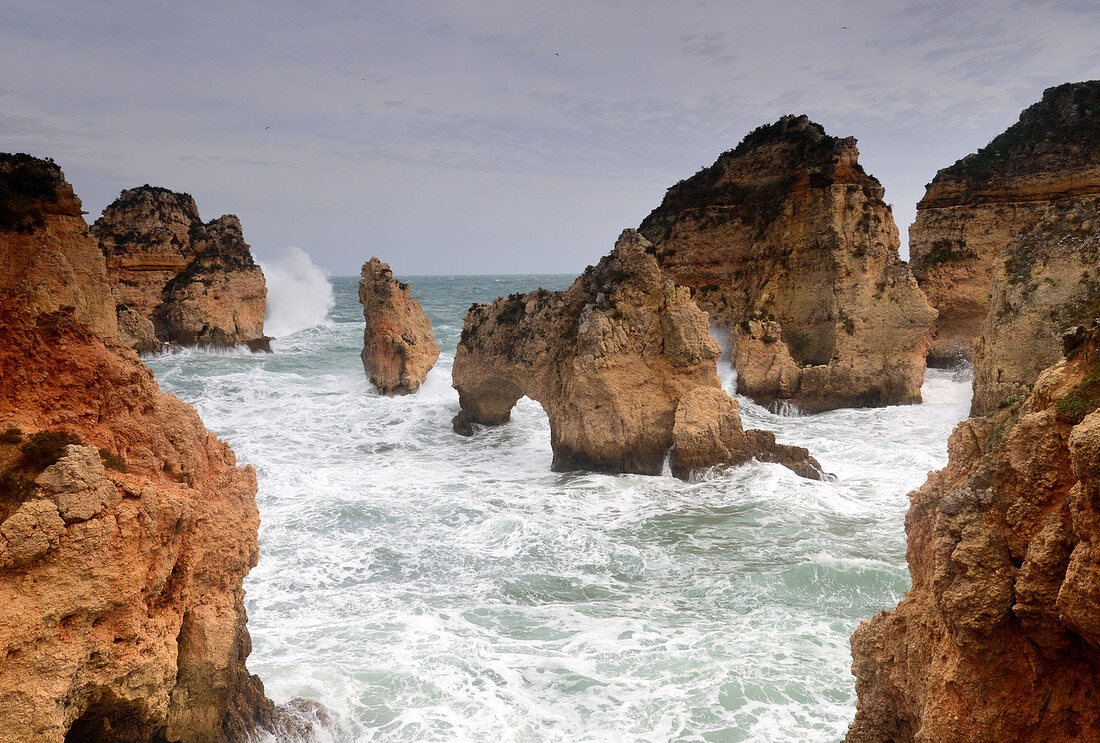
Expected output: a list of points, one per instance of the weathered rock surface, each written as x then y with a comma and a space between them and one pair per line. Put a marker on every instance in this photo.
191, 283
621, 362
998, 638
1047, 162
399, 348
123, 615
1046, 281
786, 242
50, 260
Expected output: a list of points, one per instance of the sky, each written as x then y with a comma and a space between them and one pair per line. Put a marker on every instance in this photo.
469, 137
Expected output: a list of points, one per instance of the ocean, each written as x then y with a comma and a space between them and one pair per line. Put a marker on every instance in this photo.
429, 587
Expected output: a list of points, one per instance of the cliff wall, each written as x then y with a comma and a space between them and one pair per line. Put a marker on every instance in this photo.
1046, 163
126, 530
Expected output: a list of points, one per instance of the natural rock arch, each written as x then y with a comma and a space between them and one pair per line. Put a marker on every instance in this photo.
611, 360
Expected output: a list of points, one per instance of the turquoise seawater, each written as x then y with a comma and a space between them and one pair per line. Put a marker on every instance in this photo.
429, 587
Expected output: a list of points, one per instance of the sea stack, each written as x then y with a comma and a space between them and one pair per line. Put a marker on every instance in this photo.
1045, 165
399, 348
788, 245
177, 279
621, 362
126, 528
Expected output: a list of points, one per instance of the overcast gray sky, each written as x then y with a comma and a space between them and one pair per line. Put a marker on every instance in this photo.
478, 136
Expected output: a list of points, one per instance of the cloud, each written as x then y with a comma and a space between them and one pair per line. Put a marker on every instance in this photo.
452, 131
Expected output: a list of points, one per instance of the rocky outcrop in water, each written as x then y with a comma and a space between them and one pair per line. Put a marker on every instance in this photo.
786, 242
1042, 166
126, 530
621, 362
399, 348
176, 279
998, 638
50, 260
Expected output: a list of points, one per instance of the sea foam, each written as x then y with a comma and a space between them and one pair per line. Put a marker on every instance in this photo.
299, 294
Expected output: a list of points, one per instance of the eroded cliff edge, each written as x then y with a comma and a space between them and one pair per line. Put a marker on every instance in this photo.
177, 279
624, 367
1049, 161
788, 245
399, 348
999, 637
126, 530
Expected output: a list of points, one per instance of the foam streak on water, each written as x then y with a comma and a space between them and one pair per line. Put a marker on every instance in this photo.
430, 587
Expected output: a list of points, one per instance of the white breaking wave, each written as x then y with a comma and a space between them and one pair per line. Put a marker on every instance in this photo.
299, 294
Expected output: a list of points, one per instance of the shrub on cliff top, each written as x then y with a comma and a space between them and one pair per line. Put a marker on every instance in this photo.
26, 185
46, 447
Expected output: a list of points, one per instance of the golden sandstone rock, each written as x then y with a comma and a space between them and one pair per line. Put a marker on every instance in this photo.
176, 279
122, 616
786, 242
1046, 163
399, 348
621, 362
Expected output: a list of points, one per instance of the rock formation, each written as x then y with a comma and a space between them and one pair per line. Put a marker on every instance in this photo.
176, 279
126, 530
999, 638
786, 242
623, 366
1046, 281
50, 260
1047, 162
399, 348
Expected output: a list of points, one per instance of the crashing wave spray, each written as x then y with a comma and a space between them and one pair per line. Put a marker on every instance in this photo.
299, 294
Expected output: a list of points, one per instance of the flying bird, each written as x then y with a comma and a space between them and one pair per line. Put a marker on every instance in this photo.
266, 128
843, 28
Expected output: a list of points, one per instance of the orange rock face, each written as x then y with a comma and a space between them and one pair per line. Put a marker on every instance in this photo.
122, 616
1047, 162
786, 242
621, 362
399, 348
50, 260
998, 637
177, 278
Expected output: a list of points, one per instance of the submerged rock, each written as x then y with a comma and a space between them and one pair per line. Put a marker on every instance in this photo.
998, 637
50, 259
786, 242
1045, 164
185, 281
621, 362
399, 348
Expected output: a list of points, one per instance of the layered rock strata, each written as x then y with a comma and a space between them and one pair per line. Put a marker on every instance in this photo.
998, 638
623, 365
126, 530
399, 348
788, 245
50, 260
1047, 162
177, 279
1046, 281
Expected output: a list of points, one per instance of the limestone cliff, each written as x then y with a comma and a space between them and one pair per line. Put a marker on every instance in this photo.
617, 361
126, 529
1047, 162
998, 638
50, 260
786, 242
184, 281
399, 348
1045, 281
